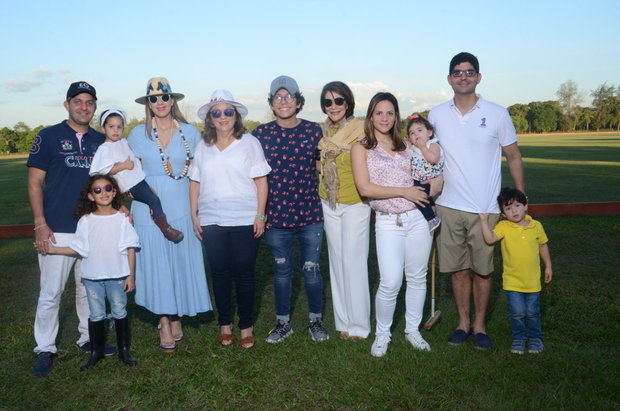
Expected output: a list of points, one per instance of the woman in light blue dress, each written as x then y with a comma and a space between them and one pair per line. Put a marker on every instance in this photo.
170, 277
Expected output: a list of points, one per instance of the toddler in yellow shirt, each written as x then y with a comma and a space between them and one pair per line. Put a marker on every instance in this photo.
524, 243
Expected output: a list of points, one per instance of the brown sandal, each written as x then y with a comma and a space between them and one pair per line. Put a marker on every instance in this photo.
226, 339
247, 342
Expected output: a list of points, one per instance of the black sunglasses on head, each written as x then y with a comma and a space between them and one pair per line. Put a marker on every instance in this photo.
328, 102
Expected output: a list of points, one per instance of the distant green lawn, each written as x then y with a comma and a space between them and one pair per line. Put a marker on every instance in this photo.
560, 168
567, 168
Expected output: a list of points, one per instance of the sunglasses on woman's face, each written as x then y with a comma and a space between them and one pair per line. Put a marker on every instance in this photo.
99, 190
327, 102
163, 97
229, 112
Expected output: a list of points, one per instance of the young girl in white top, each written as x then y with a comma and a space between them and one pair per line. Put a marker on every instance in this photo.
115, 157
426, 162
105, 239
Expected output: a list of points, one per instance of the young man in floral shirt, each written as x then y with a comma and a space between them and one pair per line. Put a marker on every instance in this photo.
293, 207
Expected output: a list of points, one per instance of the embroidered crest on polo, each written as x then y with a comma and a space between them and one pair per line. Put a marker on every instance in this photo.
67, 145
483, 121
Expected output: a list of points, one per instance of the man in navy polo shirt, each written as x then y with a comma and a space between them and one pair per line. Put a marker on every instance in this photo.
294, 209
58, 168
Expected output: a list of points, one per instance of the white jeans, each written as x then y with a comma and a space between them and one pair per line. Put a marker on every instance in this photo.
54, 274
347, 232
405, 248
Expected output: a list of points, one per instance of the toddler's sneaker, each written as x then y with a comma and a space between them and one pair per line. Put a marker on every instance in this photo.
278, 334
380, 346
317, 331
415, 338
433, 224
535, 346
518, 347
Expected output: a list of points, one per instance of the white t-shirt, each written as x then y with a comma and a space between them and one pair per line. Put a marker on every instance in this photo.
227, 191
472, 145
102, 241
112, 152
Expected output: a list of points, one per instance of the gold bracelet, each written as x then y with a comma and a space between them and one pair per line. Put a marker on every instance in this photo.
39, 226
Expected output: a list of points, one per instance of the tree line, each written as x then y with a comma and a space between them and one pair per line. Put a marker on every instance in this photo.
564, 115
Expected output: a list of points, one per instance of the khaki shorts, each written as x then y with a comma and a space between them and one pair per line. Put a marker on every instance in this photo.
460, 243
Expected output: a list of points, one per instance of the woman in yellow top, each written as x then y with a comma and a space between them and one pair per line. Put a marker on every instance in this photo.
346, 216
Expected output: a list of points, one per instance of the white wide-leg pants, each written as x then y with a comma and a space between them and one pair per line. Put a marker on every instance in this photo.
347, 231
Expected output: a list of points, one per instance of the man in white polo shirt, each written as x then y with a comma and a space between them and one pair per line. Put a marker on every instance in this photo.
473, 133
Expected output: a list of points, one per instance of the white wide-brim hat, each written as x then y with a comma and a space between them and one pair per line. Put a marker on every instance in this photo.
158, 86
222, 96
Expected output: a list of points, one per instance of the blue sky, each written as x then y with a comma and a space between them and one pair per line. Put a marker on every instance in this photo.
526, 50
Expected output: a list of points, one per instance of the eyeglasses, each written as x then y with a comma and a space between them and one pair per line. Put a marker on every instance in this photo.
459, 73
278, 98
98, 190
163, 97
327, 102
229, 112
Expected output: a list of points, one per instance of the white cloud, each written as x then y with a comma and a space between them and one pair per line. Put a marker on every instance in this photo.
409, 102
36, 78
20, 85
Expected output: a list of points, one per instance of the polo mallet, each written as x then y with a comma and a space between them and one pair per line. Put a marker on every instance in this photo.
435, 315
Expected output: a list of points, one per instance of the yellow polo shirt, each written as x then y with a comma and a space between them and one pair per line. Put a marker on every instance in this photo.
521, 254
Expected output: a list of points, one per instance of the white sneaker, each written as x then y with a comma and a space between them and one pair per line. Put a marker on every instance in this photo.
415, 338
380, 346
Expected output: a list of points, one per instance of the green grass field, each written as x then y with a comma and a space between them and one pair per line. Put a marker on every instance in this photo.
577, 370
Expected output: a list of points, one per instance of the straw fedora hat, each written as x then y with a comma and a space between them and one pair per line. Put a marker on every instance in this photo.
158, 86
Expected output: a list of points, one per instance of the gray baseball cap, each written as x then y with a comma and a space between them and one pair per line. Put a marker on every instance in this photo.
285, 82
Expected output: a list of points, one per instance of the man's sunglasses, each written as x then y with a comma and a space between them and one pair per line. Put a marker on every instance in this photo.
328, 102
229, 112
163, 97
99, 190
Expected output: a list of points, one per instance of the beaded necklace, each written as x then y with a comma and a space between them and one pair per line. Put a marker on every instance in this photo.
164, 157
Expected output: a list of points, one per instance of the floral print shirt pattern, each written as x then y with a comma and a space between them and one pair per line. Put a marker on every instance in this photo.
422, 169
387, 171
292, 153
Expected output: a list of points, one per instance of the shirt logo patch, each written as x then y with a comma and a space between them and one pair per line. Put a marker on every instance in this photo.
67, 145
483, 121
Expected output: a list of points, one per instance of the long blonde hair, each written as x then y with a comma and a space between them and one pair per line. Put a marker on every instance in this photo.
175, 111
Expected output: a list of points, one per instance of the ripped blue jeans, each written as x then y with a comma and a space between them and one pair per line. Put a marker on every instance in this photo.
98, 290
280, 241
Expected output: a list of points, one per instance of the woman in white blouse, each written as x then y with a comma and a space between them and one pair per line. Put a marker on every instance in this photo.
228, 193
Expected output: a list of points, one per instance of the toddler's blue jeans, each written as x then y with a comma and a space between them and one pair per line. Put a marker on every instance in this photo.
524, 313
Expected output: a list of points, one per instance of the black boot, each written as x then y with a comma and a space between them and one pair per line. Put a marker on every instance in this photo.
122, 340
96, 333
